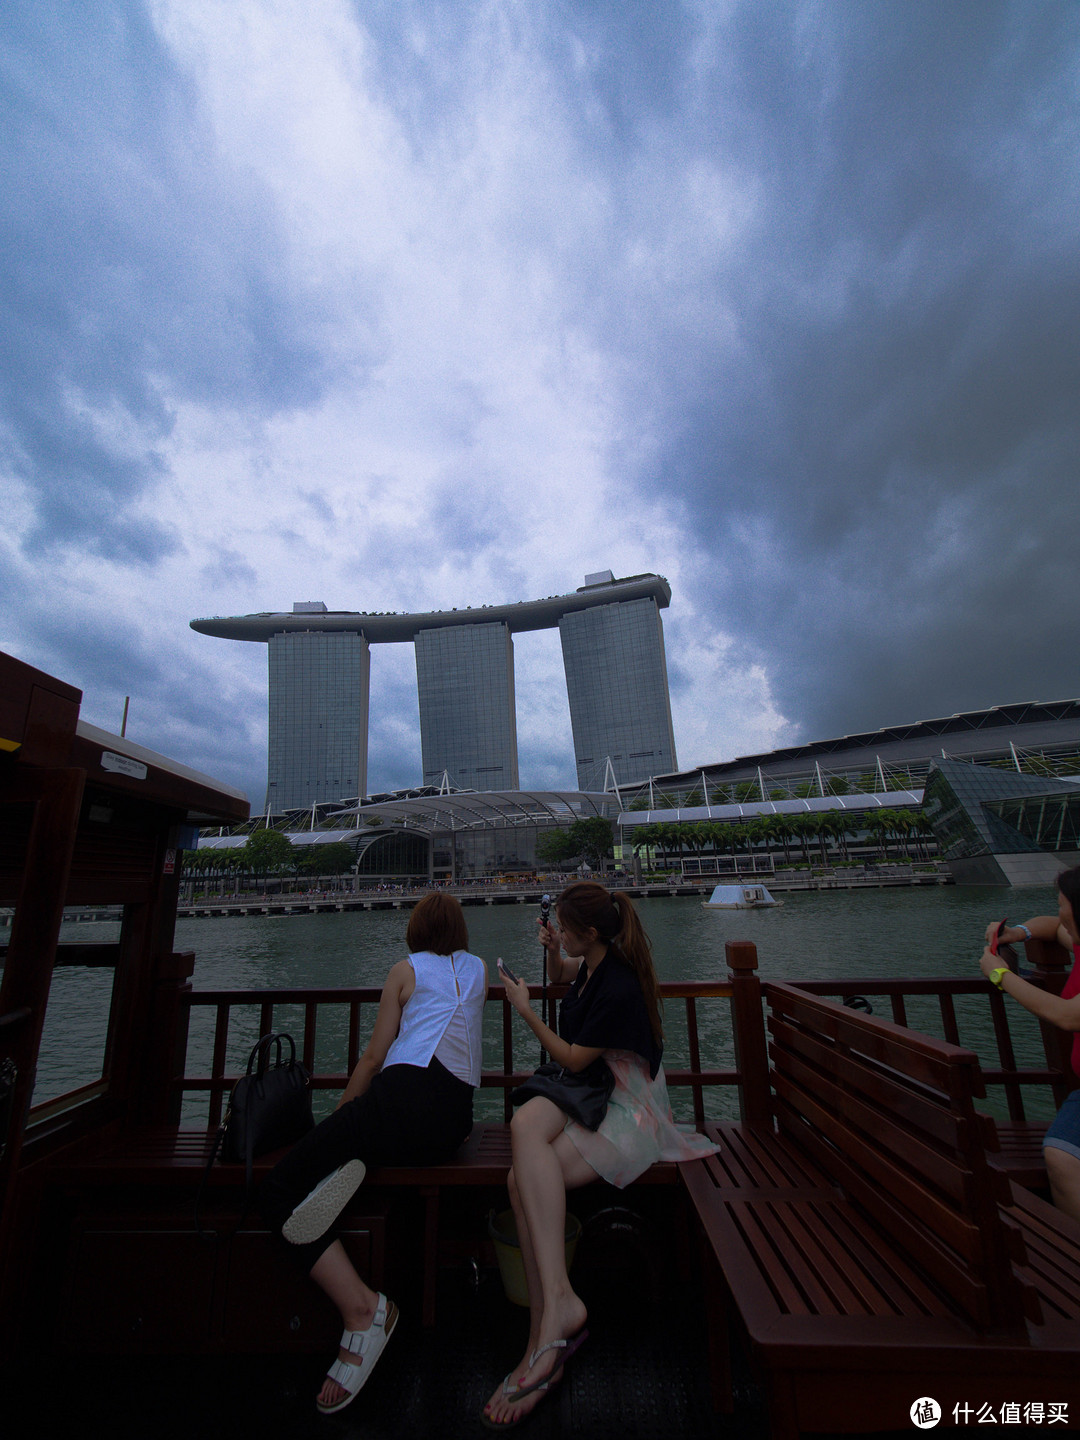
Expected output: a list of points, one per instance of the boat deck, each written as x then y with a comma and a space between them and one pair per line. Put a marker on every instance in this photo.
642, 1375
639, 1377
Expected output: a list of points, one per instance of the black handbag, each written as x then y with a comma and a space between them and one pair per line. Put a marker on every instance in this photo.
269, 1107
582, 1094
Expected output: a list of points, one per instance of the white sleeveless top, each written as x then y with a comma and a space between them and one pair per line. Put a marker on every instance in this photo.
442, 1018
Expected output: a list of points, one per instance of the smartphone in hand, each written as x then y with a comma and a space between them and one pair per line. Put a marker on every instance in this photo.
997, 937
506, 970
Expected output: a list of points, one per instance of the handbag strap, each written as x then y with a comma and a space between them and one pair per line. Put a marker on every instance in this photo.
260, 1052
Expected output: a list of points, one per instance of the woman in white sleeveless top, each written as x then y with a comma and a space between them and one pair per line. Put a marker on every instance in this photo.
408, 1102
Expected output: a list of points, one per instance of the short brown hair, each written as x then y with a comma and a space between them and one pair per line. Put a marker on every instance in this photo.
437, 923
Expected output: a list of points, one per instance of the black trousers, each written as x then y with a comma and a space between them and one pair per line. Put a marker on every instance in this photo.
408, 1116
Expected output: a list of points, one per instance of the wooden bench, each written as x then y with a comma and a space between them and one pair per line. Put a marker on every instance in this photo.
937, 1003
874, 1256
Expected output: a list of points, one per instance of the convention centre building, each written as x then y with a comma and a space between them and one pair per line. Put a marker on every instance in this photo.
1000, 788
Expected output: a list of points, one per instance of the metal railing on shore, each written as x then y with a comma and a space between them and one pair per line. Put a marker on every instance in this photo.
526, 892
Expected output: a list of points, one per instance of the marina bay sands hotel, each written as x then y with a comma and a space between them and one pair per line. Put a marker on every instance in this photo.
319, 661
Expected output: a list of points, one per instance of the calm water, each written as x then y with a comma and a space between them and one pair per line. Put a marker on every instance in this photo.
918, 932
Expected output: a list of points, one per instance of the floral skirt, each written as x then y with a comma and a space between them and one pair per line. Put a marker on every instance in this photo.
637, 1128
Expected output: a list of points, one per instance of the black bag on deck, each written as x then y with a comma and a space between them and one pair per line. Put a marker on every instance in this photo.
269, 1107
582, 1094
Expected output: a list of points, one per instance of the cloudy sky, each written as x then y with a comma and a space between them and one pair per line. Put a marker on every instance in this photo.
404, 305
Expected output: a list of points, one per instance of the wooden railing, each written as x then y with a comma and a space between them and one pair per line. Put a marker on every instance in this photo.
683, 1052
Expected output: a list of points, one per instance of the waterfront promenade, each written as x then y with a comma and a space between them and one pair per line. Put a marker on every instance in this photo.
493, 892
530, 893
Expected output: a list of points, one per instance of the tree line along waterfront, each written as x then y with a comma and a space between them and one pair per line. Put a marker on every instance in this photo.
825, 838
828, 840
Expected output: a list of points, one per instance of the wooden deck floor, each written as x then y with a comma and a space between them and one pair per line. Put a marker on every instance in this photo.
639, 1377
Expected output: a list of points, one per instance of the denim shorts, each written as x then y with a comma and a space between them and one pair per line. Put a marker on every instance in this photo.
1064, 1132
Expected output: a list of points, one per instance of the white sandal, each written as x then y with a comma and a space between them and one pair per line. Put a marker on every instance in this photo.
369, 1345
318, 1210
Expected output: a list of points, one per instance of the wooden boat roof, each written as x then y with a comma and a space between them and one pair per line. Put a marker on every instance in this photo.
40, 727
121, 765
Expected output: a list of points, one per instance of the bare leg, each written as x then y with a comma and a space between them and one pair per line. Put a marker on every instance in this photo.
546, 1165
532, 1275
334, 1273
1063, 1171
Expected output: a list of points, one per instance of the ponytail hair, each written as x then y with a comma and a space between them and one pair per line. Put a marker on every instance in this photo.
588, 906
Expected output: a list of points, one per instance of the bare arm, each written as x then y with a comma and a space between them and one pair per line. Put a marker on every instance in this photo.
1065, 1014
1042, 927
561, 968
571, 1057
400, 984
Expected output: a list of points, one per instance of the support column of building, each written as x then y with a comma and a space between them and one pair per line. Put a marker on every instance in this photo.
617, 685
468, 721
319, 688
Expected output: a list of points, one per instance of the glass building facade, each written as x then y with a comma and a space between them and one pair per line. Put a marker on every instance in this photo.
1051, 821
318, 718
997, 827
468, 725
616, 682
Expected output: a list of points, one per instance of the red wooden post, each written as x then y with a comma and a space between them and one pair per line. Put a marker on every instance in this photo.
169, 1017
748, 1029
142, 1035
24, 992
35, 929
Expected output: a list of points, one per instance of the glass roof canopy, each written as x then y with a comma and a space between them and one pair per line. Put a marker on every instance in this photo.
812, 804
471, 810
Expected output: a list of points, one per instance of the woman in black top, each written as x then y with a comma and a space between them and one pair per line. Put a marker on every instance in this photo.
612, 1010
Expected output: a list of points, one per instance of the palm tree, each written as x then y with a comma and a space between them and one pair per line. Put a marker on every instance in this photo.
802, 829
780, 828
923, 831
878, 826
644, 839
835, 824
695, 835
817, 826
720, 836
664, 832
753, 832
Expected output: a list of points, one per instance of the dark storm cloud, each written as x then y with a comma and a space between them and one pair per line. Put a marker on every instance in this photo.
780, 299
888, 454
131, 266
182, 705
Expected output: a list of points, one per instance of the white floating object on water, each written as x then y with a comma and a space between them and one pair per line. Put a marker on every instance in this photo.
738, 897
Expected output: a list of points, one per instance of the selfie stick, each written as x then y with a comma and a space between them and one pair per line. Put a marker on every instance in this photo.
545, 911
